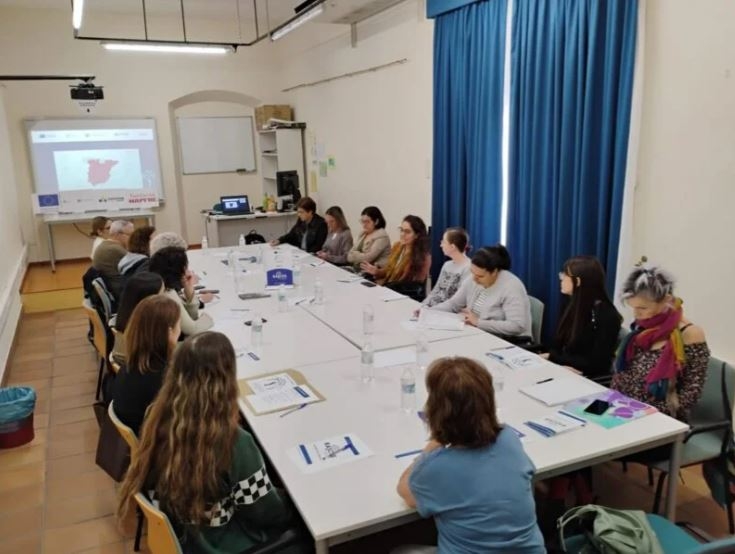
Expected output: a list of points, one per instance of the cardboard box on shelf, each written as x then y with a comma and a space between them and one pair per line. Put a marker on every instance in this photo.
275, 111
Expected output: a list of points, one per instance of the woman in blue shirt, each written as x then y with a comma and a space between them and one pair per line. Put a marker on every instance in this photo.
473, 476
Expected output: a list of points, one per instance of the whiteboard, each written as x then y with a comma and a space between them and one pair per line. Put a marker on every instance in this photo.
216, 144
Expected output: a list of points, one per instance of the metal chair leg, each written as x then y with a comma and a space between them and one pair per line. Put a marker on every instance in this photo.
138, 531
659, 490
97, 394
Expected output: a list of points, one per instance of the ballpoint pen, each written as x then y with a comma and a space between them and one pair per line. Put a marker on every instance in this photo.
294, 409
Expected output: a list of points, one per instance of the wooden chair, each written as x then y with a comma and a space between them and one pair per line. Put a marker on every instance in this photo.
99, 340
161, 536
131, 439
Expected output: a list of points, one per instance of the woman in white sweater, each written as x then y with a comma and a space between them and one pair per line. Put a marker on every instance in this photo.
494, 299
172, 264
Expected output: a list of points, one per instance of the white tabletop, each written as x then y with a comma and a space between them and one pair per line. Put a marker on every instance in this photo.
362, 494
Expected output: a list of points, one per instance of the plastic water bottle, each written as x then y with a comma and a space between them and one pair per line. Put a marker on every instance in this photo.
205, 245
256, 333
241, 240
367, 358
297, 274
408, 390
368, 319
282, 299
422, 351
232, 263
318, 292
259, 255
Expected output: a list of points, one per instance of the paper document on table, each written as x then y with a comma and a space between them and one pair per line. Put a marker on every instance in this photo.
514, 357
394, 357
311, 457
389, 295
561, 390
445, 321
555, 423
276, 391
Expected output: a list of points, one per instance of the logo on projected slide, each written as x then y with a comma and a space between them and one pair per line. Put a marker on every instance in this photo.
279, 276
98, 171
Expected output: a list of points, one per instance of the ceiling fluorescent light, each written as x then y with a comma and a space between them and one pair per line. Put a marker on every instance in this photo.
77, 10
297, 22
168, 47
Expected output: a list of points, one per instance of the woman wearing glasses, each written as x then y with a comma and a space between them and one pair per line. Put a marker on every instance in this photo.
409, 259
373, 244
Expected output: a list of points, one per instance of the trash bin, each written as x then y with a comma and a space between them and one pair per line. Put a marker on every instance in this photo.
16, 416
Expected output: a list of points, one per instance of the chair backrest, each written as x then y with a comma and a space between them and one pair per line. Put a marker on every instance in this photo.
161, 535
126, 432
99, 331
715, 404
537, 317
721, 546
106, 299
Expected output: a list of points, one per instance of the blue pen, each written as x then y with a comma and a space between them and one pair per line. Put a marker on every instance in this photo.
294, 409
409, 453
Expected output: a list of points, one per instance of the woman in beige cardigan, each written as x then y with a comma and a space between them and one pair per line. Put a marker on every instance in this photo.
373, 244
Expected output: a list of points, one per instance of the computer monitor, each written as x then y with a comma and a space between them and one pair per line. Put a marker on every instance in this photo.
232, 205
287, 184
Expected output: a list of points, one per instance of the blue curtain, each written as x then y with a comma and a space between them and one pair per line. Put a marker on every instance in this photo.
469, 47
571, 86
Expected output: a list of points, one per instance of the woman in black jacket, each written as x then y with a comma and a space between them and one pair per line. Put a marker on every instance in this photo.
309, 232
587, 333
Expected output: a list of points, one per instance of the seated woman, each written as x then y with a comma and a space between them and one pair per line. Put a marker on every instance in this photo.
339, 239
100, 232
409, 261
454, 245
137, 259
663, 361
373, 244
588, 330
139, 286
309, 232
197, 463
494, 300
150, 338
172, 265
473, 476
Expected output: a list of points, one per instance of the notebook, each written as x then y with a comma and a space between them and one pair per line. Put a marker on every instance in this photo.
560, 390
555, 423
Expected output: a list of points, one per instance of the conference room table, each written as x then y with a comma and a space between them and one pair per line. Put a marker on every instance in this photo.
355, 499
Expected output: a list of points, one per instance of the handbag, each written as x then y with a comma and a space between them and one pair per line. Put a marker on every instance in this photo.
610, 531
113, 453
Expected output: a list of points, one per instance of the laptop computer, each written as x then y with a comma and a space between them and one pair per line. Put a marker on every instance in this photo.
235, 205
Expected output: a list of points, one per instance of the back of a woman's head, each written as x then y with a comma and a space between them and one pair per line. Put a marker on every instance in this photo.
461, 404
137, 287
140, 239
652, 283
170, 263
98, 225
458, 237
147, 334
189, 431
491, 258
374, 213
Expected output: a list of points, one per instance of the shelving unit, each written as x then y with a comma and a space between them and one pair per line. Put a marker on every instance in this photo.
281, 150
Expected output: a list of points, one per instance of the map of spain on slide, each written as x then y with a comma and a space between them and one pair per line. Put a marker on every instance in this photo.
98, 169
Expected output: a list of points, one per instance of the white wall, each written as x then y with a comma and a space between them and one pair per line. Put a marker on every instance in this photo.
685, 198
12, 261
34, 41
378, 125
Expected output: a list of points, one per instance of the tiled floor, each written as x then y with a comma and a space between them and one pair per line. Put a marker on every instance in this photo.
54, 499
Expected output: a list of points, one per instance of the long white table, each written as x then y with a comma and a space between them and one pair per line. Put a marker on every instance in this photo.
322, 342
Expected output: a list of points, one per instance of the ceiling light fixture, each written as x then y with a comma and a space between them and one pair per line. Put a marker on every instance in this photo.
297, 21
169, 48
76, 14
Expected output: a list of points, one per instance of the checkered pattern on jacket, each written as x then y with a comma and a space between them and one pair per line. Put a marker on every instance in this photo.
243, 493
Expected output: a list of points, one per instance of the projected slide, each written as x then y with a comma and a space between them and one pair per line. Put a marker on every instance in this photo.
93, 169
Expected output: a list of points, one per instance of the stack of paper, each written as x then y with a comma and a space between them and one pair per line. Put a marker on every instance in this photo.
560, 390
514, 357
622, 409
277, 391
445, 321
556, 423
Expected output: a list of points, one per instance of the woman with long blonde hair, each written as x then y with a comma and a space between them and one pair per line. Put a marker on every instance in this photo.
204, 471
